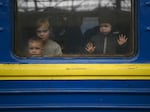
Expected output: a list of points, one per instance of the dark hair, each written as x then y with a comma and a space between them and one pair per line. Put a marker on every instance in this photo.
106, 20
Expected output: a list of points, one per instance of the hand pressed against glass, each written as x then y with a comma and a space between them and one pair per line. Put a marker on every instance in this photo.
122, 39
90, 47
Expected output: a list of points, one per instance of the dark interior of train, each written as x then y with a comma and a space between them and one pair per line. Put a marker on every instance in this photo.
72, 24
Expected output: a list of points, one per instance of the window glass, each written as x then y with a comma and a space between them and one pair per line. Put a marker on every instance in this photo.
74, 28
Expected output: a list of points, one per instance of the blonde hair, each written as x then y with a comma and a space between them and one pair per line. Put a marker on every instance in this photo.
45, 22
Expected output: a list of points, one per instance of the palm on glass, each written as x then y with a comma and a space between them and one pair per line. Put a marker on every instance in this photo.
122, 39
90, 47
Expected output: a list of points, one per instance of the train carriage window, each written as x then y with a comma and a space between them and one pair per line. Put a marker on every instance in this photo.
74, 28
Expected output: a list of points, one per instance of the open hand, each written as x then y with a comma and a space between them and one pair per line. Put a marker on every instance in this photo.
90, 47
122, 39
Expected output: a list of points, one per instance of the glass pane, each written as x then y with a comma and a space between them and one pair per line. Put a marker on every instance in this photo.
74, 28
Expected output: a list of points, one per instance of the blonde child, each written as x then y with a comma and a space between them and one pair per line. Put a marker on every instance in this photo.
44, 32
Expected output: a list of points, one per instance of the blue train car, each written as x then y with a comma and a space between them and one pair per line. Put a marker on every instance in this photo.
75, 82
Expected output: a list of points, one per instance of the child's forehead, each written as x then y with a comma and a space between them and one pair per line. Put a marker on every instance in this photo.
43, 26
38, 43
105, 24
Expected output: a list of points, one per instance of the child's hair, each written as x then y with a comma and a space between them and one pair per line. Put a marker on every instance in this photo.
35, 39
45, 22
106, 20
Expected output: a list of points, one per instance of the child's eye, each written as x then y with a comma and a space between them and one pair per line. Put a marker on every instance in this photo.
37, 48
31, 48
40, 31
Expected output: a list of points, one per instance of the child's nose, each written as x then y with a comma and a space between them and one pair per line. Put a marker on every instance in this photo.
34, 50
41, 33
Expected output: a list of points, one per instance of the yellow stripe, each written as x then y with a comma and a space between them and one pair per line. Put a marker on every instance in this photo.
74, 71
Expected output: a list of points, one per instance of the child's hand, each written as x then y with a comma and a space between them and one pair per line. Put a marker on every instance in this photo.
122, 39
90, 47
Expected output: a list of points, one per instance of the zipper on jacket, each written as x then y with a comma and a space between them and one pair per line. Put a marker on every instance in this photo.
105, 45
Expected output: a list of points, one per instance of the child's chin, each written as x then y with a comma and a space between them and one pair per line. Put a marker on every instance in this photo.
36, 55
44, 39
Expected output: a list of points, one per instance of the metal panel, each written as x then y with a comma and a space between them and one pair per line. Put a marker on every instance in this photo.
76, 96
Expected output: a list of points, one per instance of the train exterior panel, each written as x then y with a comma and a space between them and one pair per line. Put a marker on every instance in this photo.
75, 84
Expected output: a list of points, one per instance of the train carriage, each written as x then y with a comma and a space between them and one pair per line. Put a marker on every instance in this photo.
77, 80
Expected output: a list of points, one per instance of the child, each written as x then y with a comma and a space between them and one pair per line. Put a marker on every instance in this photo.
44, 32
35, 47
106, 42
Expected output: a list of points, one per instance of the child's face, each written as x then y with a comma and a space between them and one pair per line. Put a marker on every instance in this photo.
43, 32
35, 49
105, 28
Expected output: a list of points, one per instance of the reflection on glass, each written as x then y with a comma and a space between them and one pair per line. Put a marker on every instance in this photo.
77, 5
74, 23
